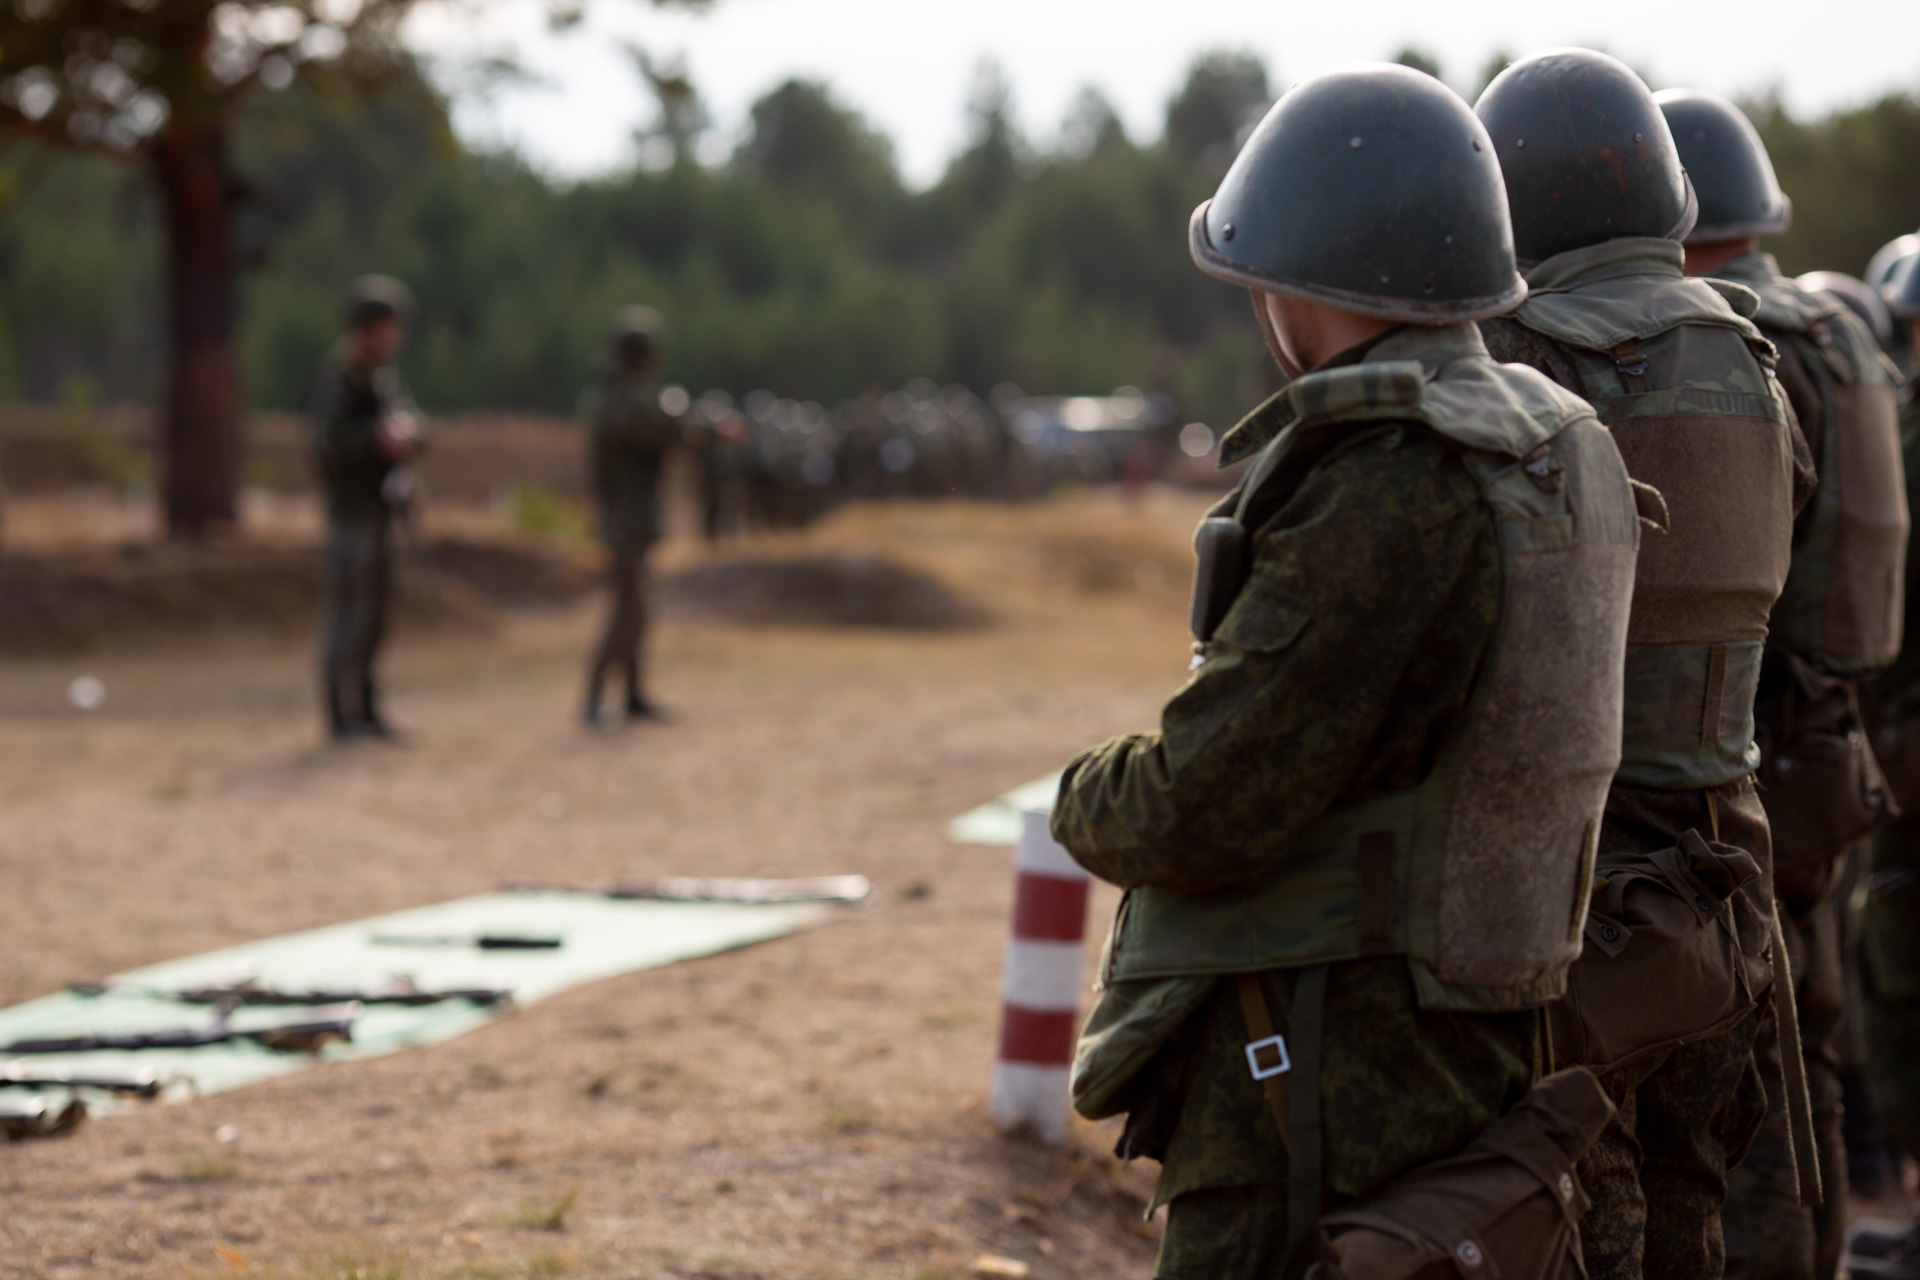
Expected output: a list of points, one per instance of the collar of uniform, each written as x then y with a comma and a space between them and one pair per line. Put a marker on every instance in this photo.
1431, 346
1608, 260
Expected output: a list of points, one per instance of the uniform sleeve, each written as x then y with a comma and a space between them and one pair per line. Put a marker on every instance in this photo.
1299, 688
630, 419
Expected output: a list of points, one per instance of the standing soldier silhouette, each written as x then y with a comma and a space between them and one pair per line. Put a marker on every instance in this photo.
1684, 381
1356, 851
364, 434
629, 438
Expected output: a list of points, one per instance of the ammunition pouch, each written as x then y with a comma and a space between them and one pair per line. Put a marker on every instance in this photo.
1222, 550
1509, 1205
1821, 785
1674, 952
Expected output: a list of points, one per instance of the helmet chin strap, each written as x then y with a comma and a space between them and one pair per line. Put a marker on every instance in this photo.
1272, 339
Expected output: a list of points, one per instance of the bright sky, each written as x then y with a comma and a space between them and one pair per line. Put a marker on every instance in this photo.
907, 64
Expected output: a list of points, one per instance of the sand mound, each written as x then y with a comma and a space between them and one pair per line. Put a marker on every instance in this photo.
139, 593
837, 589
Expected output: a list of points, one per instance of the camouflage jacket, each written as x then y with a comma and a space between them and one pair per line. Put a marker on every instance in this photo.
1377, 589
349, 402
629, 437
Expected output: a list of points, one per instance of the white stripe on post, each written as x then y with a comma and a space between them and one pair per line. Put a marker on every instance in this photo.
1041, 988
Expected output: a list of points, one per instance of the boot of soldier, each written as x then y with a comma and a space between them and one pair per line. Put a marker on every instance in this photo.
372, 723
339, 727
590, 710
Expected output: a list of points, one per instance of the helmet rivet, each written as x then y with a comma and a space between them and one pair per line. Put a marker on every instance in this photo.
1383, 279
1226, 232
1449, 239
1638, 138
1476, 144
1519, 142
1355, 144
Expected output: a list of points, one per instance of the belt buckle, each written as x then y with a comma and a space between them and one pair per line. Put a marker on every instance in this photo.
1279, 1045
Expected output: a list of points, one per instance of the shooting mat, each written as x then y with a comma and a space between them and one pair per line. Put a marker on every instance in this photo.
603, 937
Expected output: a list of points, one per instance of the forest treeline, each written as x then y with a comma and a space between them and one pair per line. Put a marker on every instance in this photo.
803, 263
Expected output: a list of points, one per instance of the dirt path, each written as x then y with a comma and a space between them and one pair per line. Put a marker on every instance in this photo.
813, 1107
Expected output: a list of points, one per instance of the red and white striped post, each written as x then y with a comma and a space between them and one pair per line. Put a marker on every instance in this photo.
1041, 990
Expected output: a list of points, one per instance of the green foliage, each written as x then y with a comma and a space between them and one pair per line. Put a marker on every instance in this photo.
802, 265
533, 1215
105, 458
541, 514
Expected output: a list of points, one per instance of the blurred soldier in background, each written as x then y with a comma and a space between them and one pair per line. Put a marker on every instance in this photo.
1679, 373
365, 434
630, 433
1292, 1019
720, 439
1837, 620
1889, 921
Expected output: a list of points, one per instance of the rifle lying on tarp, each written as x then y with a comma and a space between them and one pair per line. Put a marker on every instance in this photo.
329, 1025
40, 1117
394, 991
745, 890
143, 1084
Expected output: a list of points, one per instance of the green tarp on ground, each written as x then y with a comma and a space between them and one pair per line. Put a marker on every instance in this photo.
998, 821
601, 937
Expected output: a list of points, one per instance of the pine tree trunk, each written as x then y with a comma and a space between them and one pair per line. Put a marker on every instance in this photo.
200, 436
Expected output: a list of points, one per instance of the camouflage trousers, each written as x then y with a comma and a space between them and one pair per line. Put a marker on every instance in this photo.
1657, 1176
1769, 1234
359, 598
621, 647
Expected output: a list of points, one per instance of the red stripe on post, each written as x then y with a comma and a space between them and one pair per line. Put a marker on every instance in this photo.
1049, 908
1028, 1035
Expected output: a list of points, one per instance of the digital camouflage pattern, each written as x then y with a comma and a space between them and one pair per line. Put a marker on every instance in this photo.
1288, 716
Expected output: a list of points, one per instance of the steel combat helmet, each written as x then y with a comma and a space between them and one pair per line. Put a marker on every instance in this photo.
375, 297
636, 331
1586, 154
1902, 290
1864, 301
1887, 257
1371, 189
1728, 165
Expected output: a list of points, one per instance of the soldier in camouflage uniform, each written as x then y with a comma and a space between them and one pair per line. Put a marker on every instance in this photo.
1889, 921
364, 434
629, 438
1682, 377
1838, 619
1280, 898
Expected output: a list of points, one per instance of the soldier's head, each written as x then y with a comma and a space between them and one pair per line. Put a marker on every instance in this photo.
1732, 176
1367, 198
633, 340
1586, 155
378, 308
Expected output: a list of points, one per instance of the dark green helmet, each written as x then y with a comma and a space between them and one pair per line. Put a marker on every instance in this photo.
1728, 165
376, 297
636, 331
1862, 300
1586, 154
1888, 256
1902, 289
1371, 189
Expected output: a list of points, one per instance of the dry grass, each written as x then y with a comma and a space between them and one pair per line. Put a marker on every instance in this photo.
810, 1108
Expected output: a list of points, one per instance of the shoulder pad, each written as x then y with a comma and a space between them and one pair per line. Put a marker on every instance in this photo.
1387, 389
1744, 301
1787, 306
1499, 408
1601, 316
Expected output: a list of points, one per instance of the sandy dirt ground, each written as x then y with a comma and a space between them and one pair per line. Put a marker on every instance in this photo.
813, 1107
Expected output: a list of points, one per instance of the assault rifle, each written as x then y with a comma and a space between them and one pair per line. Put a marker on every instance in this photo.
329, 1025
400, 991
142, 1084
746, 890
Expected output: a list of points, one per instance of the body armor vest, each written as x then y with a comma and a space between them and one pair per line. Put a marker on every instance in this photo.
1683, 381
1845, 596
1479, 875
